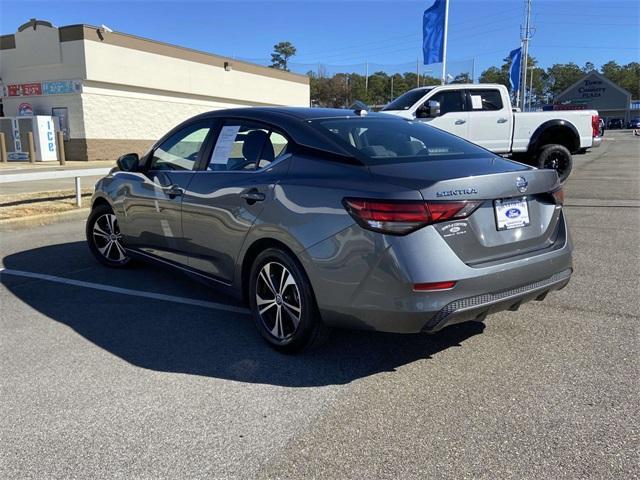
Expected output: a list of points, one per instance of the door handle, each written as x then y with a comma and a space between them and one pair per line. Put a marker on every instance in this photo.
460, 122
253, 196
173, 191
502, 120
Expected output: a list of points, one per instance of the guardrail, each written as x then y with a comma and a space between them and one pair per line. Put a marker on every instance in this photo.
52, 174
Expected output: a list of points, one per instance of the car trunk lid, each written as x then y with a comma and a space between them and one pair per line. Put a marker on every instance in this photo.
483, 237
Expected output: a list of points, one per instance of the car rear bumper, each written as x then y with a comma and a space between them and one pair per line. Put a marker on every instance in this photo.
409, 317
596, 142
371, 286
477, 308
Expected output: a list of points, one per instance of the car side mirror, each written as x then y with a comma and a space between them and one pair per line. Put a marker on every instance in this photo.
128, 162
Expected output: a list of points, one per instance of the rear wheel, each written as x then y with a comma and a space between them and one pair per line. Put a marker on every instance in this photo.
556, 157
104, 238
283, 304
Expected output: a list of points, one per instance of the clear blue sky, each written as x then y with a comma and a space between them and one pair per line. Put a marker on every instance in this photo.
352, 32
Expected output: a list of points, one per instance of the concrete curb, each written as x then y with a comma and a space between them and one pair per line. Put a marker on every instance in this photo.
43, 219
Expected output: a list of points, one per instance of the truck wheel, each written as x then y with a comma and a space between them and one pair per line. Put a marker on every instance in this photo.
556, 157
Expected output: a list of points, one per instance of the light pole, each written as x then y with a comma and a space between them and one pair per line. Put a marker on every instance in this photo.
366, 76
392, 87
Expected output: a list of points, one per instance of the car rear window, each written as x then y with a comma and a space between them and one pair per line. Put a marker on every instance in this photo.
378, 141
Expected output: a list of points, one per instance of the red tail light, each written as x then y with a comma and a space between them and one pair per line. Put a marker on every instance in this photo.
558, 196
595, 125
397, 217
433, 286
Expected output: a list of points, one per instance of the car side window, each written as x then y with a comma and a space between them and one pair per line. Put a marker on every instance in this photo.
485, 100
450, 101
245, 147
180, 151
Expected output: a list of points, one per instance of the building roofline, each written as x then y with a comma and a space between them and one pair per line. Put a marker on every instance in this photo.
68, 33
34, 23
598, 74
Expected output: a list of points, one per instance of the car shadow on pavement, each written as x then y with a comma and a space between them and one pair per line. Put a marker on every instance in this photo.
172, 337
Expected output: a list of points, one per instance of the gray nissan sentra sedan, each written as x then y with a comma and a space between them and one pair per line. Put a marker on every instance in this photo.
325, 218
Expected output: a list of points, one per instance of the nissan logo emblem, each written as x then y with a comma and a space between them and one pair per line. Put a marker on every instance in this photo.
521, 184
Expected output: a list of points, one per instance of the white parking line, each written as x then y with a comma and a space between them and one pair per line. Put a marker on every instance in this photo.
124, 291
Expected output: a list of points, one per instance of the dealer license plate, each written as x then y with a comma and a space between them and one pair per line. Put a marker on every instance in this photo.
511, 213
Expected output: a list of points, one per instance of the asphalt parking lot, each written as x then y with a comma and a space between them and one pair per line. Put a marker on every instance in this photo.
145, 374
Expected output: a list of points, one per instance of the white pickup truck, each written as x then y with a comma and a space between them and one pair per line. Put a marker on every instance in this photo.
482, 113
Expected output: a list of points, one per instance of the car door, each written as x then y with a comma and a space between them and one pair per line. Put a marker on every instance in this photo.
490, 121
225, 198
453, 118
152, 222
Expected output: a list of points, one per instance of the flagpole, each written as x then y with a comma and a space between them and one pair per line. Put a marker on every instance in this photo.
444, 45
525, 56
519, 78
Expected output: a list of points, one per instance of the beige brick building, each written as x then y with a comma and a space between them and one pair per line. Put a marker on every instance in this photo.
120, 92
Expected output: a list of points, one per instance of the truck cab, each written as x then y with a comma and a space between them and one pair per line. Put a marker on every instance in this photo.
482, 113
448, 107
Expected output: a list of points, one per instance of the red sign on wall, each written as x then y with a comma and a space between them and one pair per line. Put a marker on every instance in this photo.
24, 89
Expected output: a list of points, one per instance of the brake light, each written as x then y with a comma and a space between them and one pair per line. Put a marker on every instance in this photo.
558, 196
398, 217
595, 125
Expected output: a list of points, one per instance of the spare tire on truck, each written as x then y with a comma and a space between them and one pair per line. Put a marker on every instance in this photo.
556, 157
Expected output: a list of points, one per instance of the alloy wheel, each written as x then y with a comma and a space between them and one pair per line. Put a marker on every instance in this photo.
278, 300
108, 239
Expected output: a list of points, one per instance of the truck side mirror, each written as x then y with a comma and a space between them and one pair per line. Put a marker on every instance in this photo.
429, 109
434, 108
128, 162
422, 111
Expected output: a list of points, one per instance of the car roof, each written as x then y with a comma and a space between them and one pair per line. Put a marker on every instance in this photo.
294, 122
300, 113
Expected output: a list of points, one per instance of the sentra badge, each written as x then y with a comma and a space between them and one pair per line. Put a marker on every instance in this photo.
453, 193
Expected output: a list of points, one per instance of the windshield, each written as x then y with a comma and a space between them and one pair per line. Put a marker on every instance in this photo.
384, 141
408, 99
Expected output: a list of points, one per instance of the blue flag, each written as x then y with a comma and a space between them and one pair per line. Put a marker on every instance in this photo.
433, 32
514, 70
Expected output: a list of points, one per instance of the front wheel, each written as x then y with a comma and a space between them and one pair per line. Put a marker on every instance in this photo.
556, 157
283, 304
104, 238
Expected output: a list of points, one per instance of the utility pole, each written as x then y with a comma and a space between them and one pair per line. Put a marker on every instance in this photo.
526, 36
417, 72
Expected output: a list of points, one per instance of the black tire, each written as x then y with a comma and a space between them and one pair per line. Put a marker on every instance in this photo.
287, 337
556, 157
104, 238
